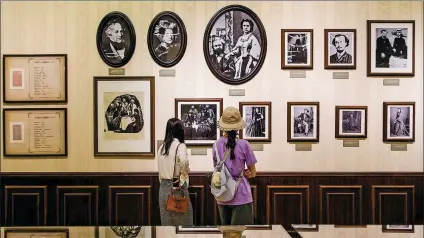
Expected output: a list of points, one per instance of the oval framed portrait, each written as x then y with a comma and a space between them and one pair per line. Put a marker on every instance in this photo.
167, 39
235, 44
116, 39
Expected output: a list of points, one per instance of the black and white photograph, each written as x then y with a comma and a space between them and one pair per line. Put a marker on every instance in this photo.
235, 44
123, 113
391, 46
116, 39
200, 118
351, 121
340, 48
167, 39
303, 121
399, 121
297, 49
258, 121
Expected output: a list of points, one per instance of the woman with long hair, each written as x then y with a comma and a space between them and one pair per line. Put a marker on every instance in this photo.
173, 167
238, 211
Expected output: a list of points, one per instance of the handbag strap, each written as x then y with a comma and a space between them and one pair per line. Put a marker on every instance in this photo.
175, 162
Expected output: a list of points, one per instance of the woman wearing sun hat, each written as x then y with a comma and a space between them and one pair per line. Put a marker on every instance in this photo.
238, 211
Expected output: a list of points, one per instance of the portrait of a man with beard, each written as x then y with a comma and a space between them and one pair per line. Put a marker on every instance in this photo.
340, 49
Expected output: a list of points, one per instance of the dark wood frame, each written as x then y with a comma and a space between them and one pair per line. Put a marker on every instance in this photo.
217, 231
36, 230
183, 35
65, 149
289, 124
151, 80
337, 121
258, 24
385, 105
384, 229
65, 90
196, 100
131, 32
369, 52
268, 104
283, 48
327, 65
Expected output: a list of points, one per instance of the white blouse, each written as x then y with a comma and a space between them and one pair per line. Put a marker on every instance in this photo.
166, 163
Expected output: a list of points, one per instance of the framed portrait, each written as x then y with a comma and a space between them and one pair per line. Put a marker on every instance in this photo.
235, 44
167, 39
398, 121
258, 121
397, 228
116, 39
35, 78
340, 48
36, 233
124, 116
200, 118
391, 48
302, 121
351, 122
35, 132
297, 49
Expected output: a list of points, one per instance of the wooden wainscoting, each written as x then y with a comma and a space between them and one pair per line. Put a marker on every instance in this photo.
89, 199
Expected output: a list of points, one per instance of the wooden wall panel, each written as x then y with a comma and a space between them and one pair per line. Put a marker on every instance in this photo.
88, 199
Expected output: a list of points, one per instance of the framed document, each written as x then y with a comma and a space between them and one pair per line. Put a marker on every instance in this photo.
124, 109
35, 132
36, 233
35, 78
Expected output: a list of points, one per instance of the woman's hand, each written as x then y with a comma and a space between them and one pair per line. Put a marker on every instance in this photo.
247, 173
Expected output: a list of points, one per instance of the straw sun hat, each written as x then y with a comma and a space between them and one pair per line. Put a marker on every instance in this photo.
231, 120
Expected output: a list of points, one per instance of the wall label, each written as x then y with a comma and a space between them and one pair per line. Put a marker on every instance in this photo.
167, 73
391, 82
340, 75
199, 151
297, 74
237, 92
257, 147
350, 143
303, 147
399, 147
113, 71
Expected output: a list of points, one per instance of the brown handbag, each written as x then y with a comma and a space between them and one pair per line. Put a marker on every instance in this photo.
177, 203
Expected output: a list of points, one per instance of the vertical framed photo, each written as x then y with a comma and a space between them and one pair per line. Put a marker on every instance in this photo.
258, 121
200, 119
116, 39
391, 48
124, 116
167, 39
36, 233
302, 121
297, 49
340, 48
398, 121
235, 44
351, 122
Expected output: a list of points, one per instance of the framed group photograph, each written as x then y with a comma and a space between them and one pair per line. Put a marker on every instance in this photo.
116, 39
340, 48
258, 121
297, 49
36, 233
235, 44
391, 48
35, 132
302, 121
351, 122
124, 116
167, 39
398, 121
200, 119
35, 78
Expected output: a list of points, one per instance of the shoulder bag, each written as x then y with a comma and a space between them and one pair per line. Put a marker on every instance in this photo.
177, 203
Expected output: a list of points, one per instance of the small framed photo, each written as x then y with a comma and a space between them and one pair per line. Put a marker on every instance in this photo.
200, 118
398, 121
391, 48
35, 132
351, 121
297, 49
258, 121
38, 78
302, 121
36, 233
340, 48
398, 228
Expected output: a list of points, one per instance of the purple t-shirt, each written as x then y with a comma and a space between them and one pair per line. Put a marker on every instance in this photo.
243, 156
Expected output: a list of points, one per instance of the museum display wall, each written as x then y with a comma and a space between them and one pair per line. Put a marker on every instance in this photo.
329, 168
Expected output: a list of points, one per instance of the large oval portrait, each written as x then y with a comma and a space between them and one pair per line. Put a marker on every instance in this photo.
235, 44
167, 39
116, 39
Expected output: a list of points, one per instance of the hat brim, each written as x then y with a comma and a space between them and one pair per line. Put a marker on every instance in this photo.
231, 127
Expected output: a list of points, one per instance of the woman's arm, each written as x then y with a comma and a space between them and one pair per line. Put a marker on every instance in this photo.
250, 161
184, 164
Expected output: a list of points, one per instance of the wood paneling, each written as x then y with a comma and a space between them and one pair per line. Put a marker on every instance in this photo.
79, 199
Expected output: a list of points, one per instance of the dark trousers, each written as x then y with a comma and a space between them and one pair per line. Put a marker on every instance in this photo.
236, 214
